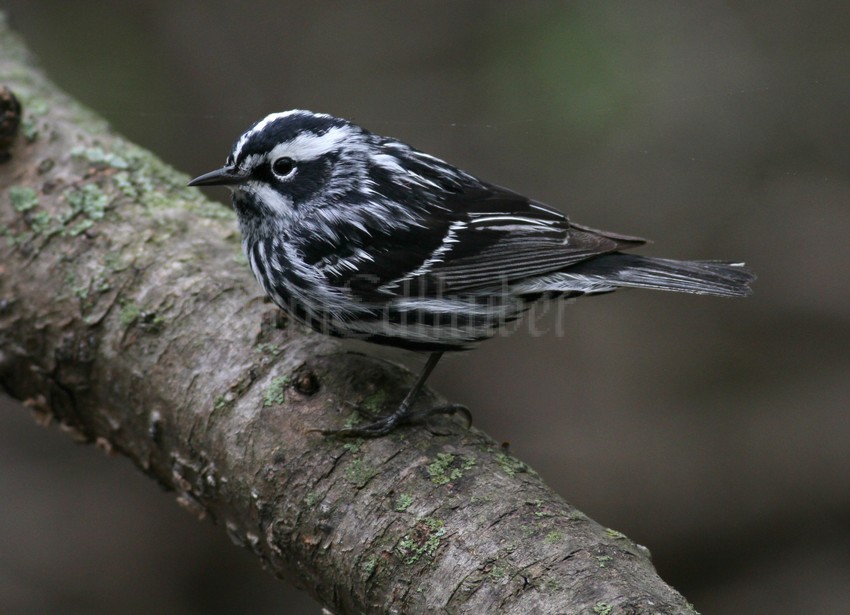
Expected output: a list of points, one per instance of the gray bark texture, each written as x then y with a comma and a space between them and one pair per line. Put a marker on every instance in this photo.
128, 316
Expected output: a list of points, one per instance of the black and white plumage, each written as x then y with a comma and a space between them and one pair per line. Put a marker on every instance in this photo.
363, 236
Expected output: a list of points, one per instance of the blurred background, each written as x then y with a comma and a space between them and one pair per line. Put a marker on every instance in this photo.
715, 432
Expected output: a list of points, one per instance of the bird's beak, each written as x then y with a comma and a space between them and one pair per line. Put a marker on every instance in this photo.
220, 177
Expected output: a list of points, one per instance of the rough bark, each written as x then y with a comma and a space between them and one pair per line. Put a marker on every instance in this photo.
128, 316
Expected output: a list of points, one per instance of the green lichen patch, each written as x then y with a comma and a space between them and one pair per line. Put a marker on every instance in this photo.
375, 402
359, 472
615, 534
275, 393
129, 313
41, 223
528, 530
85, 206
353, 446
80, 227
88, 202
222, 401
152, 321
353, 419
499, 571
602, 608
29, 128
603, 560
577, 515
78, 289
133, 314
424, 540
23, 198
12, 238
510, 465
437, 469
553, 537
113, 262
125, 185
541, 512
138, 175
403, 502
97, 156
33, 105
7, 234
269, 349
447, 468
369, 566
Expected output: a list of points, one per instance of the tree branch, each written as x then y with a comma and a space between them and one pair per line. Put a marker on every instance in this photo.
127, 314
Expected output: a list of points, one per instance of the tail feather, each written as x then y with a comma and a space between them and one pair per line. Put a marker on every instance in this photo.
723, 279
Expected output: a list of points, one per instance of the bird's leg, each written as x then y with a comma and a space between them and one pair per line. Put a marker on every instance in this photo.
404, 413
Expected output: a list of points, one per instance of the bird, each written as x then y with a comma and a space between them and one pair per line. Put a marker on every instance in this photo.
362, 236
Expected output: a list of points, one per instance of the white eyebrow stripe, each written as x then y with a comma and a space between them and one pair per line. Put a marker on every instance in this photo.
309, 146
263, 123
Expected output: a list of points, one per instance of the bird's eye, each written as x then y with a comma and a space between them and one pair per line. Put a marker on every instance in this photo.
283, 167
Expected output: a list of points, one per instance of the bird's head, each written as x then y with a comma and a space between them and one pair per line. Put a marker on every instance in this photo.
290, 163
310, 174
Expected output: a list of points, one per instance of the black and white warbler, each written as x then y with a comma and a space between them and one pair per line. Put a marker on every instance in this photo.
359, 235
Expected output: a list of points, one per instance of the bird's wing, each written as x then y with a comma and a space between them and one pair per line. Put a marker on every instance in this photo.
480, 237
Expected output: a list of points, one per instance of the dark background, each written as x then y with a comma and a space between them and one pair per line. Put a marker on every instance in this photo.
716, 432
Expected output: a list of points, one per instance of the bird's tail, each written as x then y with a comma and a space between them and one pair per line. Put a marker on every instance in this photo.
618, 270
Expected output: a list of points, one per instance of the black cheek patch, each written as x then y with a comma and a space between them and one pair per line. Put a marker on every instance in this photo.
307, 181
